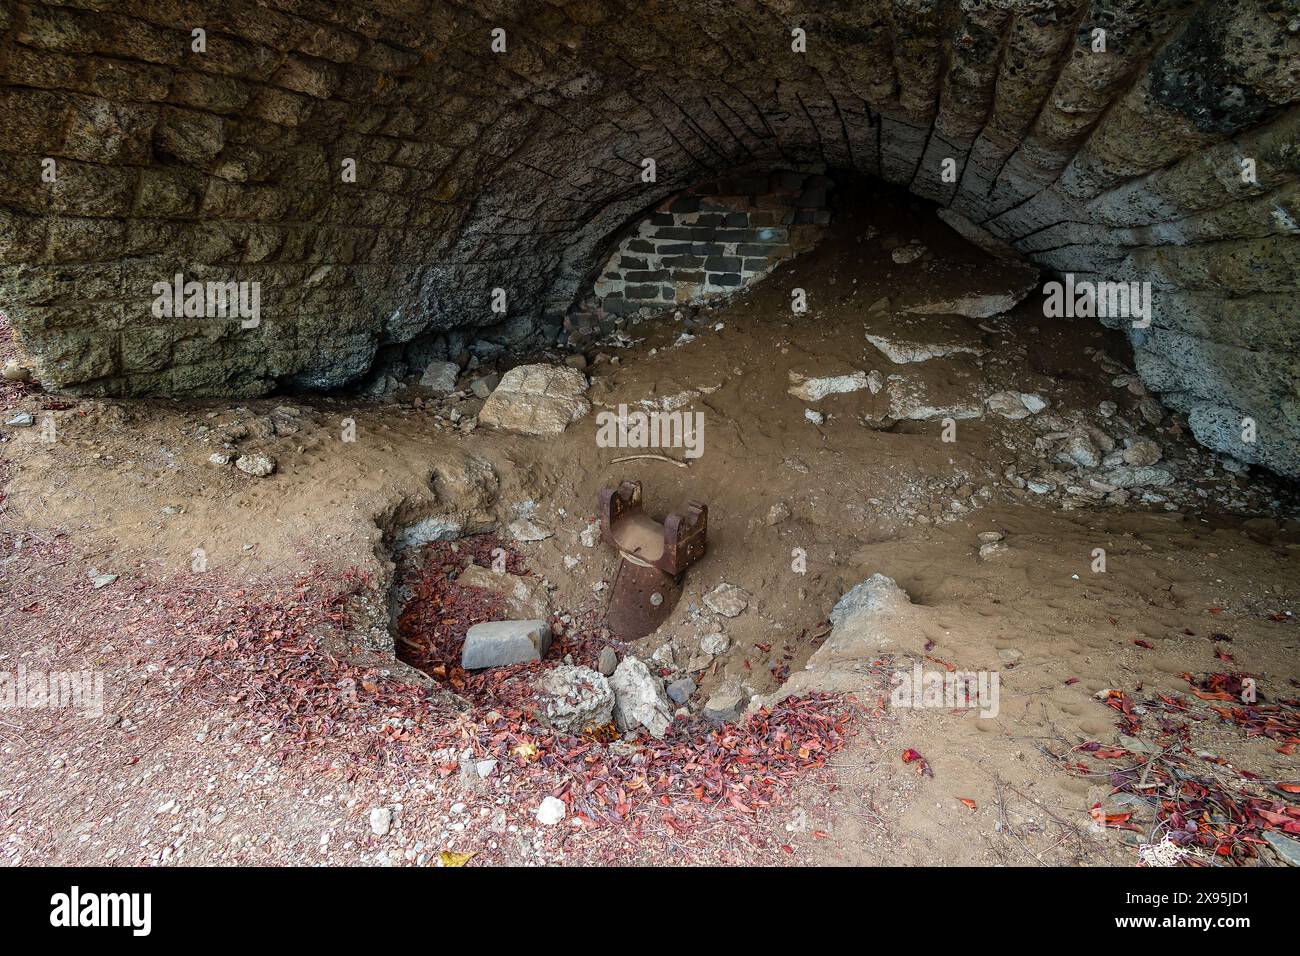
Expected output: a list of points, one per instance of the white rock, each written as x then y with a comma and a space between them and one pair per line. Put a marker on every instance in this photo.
259, 466
815, 389
551, 811
525, 529
727, 600
903, 351
381, 820
639, 698
813, 416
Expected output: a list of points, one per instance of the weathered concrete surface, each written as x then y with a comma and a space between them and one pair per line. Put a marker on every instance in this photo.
128, 155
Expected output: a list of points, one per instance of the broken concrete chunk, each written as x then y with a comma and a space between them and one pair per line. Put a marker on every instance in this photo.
498, 643
815, 389
727, 600
440, 377
575, 699
537, 400
639, 698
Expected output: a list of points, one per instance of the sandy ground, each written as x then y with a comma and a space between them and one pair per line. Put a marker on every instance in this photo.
800, 512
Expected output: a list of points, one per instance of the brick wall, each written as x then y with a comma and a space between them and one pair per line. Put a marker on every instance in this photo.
713, 240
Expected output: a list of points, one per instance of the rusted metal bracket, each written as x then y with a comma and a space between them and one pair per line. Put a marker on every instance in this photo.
654, 556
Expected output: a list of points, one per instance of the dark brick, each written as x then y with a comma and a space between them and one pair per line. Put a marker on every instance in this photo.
640, 245
676, 249
722, 264
682, 262
710, 220
688, 276
642, 291
756, 265
627, 262
737, 220
662, 219
725, 279
706, 249
675, 232
683, 204
657, 275
755, 249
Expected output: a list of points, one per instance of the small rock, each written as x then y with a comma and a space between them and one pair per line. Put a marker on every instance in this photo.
990, 537
680, 691
440, 377
22, 420
1107, 409
483, 386
1130, 477
815, 389
715, 644
525, 529
575, 698
607, 662
484, 768
639, 698
1080, 449
221, 459
259, 466
727, 600
551, 811
498, 643
905, 255
1288, 848
590, 535
381, 820
1141, 453
99, 580
577, 360
725, 705
777, 513
816, 417
13, 372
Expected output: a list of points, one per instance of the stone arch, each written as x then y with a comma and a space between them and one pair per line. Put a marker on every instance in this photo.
479, 169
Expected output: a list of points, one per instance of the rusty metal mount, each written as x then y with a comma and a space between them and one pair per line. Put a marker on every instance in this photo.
654, 557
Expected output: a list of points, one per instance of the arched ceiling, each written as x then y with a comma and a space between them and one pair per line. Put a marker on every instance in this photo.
479, 169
